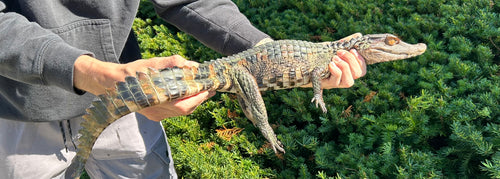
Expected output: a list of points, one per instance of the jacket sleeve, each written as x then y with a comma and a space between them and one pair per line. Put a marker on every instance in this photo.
216, 23
34, 55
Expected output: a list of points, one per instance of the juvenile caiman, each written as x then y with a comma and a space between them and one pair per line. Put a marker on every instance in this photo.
275, 65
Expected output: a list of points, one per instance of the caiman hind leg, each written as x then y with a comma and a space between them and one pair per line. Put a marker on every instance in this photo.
253, 105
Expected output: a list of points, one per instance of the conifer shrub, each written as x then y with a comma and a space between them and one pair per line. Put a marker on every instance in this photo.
433, 116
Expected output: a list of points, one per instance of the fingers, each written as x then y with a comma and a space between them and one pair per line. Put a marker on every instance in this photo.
356, 62
336, 74
343, 73
187, 105
142, 65
361, 61
344, 69
178, 107
171, 61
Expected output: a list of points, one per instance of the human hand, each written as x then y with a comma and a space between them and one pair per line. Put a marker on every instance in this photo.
95, 76
178, 107
345, 67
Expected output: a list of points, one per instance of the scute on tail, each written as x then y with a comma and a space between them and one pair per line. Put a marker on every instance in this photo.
241, 73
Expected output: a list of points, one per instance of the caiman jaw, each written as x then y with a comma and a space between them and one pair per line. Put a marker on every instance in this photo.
387, 47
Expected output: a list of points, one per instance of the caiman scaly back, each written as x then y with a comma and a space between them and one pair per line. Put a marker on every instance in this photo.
275, 65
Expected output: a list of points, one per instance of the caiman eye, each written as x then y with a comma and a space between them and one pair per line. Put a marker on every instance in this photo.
391, 40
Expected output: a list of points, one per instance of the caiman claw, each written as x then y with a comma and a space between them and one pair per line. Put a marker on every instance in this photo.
318, 98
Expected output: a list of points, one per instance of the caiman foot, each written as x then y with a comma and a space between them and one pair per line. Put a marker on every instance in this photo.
277, 146
271, 138
318, 98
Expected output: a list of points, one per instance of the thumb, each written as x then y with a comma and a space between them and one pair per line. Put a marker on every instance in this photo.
167, 62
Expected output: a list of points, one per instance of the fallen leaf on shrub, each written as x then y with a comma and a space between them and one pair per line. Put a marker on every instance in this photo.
369, 97
227, 134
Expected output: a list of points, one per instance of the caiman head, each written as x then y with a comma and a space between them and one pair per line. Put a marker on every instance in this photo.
387, 47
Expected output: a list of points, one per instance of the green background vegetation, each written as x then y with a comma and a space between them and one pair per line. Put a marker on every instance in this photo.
433, 116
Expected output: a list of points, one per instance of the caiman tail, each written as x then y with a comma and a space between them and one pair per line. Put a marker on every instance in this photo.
274, 65
134, 94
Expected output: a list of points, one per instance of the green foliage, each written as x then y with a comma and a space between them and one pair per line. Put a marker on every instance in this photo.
433, 116
200, 153
156, 38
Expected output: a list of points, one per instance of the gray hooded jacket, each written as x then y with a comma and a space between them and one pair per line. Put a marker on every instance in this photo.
41, 39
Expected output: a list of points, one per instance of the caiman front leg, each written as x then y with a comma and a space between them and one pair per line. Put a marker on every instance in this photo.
318, 92
253, 105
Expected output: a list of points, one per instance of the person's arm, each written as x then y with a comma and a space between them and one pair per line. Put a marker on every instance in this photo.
216, 23
34, 55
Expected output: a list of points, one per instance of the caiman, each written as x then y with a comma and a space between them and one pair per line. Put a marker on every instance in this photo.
274, 65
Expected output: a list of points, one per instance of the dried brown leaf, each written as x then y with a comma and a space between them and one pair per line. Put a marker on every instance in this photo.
369, 97
347, 112
227, 134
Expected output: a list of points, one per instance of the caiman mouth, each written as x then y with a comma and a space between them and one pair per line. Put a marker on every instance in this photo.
405, 51
387, 47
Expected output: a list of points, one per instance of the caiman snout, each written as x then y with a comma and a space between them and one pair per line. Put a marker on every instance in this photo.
388, 47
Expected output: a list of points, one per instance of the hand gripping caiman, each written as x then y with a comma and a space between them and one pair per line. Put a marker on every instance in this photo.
275, 65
